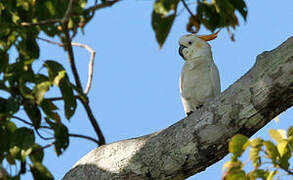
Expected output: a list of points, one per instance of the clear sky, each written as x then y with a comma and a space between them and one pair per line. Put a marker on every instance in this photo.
135, 86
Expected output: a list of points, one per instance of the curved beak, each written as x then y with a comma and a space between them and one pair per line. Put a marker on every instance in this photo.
181, 50
209, 37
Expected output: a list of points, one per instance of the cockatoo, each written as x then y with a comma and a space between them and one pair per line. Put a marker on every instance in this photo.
199, 80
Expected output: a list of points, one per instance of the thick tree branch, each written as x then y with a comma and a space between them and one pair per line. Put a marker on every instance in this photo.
198, 141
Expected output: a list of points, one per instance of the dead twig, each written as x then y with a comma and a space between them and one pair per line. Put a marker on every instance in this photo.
90, 66
91, 62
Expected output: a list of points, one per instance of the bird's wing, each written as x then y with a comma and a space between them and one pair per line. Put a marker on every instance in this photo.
187, 105
215, 78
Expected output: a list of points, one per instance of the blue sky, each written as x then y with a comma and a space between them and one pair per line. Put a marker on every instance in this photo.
135, 86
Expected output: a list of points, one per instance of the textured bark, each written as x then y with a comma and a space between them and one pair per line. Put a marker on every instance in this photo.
198, 141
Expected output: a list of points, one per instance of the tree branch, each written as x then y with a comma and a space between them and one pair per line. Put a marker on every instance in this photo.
187, 8
201, 139
93, 121
81, 96
91, 64
68, 48
102, 5
84, 137
68, 13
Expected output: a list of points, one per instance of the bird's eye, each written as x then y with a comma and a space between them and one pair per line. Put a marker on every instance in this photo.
189, 42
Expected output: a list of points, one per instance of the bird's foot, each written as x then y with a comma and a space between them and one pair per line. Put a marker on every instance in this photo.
188, 113
199, 106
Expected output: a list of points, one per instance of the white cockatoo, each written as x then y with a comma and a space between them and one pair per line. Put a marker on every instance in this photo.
199, 80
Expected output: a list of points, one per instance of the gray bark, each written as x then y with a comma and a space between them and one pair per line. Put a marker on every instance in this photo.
198, 141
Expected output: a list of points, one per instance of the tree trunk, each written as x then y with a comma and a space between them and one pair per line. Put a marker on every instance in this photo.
198, 141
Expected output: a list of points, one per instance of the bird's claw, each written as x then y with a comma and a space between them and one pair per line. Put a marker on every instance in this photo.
199, 106
188, 113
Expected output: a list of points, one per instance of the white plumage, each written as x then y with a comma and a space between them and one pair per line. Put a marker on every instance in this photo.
199, 80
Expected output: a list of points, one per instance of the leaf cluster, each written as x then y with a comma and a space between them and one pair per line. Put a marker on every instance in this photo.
261, 154
211, 14
21, 22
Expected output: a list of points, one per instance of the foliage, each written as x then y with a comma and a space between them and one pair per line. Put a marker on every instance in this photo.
212, 14
24, 88
267, 158
21, 23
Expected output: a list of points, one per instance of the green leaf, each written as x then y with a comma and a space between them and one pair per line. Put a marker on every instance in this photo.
29, 48
61, 136
256, 145
241, 7
272, 174
33, 112
277, 135
4, 57
14, 153
282, 147
236, 174
5, 134
39, 171
290, 131
259, 173
272, 150
58, 76
23, 138
163, 17
49, 109
238, 144
37, 154
24, 153
40, 90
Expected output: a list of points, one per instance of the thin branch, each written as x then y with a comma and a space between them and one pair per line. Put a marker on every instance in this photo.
91, 62
43, 147
90, 66
187, 8
93, 121
51, 42
83, 99
68, 12
68, 48
84, 137
52, 21
44, 22
42, 137
55, 98
28, 123
102, 5
22, 120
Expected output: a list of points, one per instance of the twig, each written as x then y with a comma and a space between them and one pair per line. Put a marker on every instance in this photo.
42, 137
49, 21
55, 98
43, 147
28, 123
68, 12
91, 64
84, 137
187, 8
102, 5
51, 42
